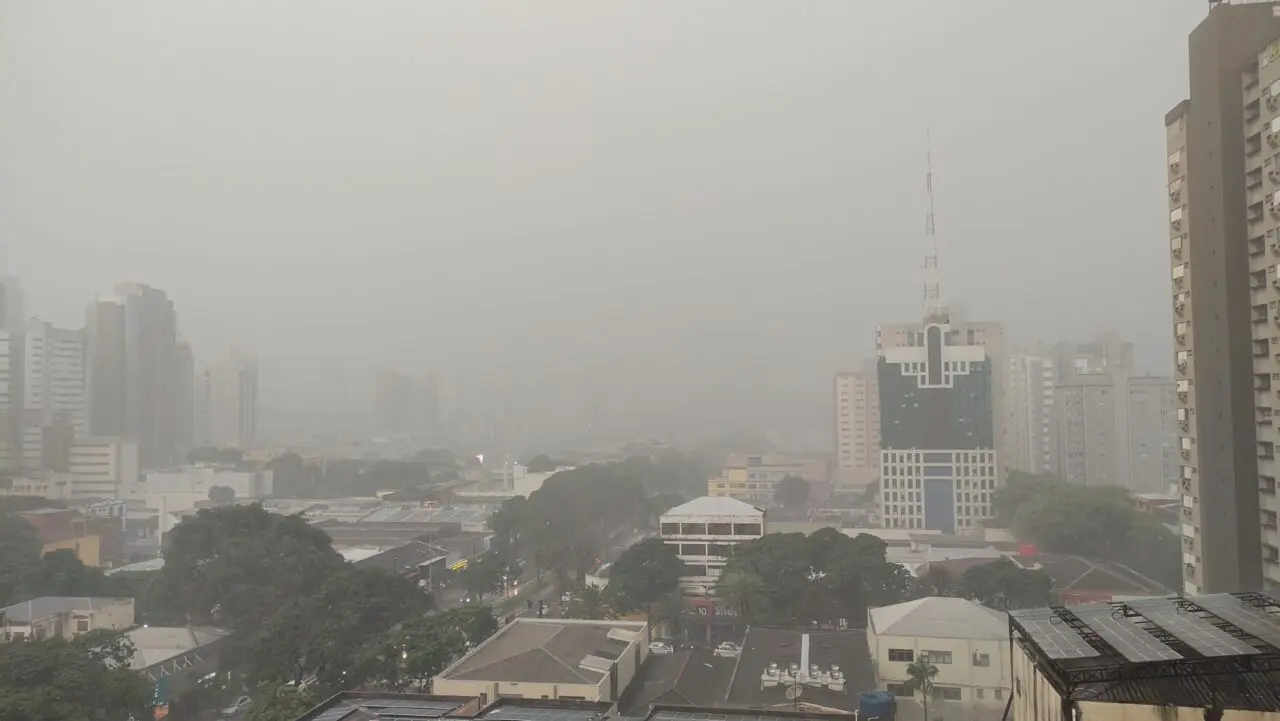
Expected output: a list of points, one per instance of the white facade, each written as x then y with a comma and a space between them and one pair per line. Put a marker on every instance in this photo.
181, 489
230, 404
102, 467
54, 389
967, 642
1029, 407
10, 398
974, 477
703, 530
858, 427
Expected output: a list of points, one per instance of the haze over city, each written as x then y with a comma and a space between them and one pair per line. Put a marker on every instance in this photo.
708, 207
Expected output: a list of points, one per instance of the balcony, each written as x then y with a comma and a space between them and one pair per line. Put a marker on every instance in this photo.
1267, 485
1262, 382
1266, 450
1269, 520
1262, 414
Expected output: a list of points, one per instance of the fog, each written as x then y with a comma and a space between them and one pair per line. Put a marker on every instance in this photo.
700, 210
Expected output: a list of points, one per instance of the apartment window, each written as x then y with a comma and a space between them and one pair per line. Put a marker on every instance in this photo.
977, 693
936, 657
999, 694
946, 693
981, 659
904, 655
82, 625
901, 690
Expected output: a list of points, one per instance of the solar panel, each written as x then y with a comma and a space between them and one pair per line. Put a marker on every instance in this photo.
1054, 637
1253, 621
1191, 629
337, 713
698, 716
1132, 641
537, 713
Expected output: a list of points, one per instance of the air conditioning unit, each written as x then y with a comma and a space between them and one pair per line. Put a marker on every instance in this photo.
1179, 307
1175, 196
1186, 454
1273, 140
1181, 338
1182, 395
1177, 252
1177, 282
1182, 365
1275, 212
1273, 175
1175, 166
1273, 101
1177, 224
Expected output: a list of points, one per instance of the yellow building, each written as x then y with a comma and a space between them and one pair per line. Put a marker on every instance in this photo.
87, 548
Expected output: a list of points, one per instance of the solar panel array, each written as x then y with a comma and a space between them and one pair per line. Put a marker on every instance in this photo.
1055, 638
1131, 640
390, 709
535, 713
1253, 621
1191, 629
666, 715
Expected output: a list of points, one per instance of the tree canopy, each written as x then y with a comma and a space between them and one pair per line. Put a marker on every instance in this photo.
792, 493
280, 702
790, 578
85, 679
1095, 522
1005, 585
541, 463
644, 574
26, 574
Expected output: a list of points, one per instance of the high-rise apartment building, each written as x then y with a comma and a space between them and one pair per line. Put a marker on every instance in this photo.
1222, 170
403, 404
939, 465
55, 405
230, 403
1113, 429
12, 320
1029, 412
133, 362
858, 427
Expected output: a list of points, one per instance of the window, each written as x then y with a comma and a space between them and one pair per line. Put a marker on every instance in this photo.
981, 659
977, 693
946, 693
901, 690
999, 694
904, 655
936, 657
82, 625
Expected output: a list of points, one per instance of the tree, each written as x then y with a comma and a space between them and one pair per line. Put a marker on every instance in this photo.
593, 604
222, 495
541, 464
920, 675
937, 581
744, 592
792, 493
482, 576
280, 702
645, 573
20, 567
236, 565
1005, 585
86, 679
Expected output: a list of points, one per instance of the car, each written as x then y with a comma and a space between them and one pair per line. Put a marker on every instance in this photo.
728, 650
661, 648
242, 704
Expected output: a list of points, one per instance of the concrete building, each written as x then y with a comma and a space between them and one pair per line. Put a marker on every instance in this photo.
133, 371
230, 403
55, 401
858, 427
703, 532
1114, 429
1192, 657
1029, 412
403, 404
939, 465
755, 478
180, 489
102, 467
62, 617
12, 320
551, 659
966, 641
1222, 182
174, 660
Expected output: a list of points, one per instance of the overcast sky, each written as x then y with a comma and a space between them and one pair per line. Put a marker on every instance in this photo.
713, 202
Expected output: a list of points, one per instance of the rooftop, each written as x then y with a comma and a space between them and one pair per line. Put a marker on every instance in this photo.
713, 506
45, 606
695, 677
548, 651
156, 644
376, 706
846, 649
940, 617
694, 713
1197, 651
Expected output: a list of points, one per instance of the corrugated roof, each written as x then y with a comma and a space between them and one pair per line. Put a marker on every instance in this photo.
713, 506
940, 617
28, 611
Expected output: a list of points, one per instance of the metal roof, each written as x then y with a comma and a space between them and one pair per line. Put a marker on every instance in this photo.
715, 506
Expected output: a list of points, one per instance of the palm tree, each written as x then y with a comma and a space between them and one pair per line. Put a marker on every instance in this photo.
743, 592
593, 604
920, 678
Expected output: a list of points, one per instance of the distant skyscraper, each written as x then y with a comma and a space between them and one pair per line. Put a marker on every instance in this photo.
231, 403
427, 403
858, 427
184, 396
55, 407
133, 363
1029, 408
12, 320
393, 403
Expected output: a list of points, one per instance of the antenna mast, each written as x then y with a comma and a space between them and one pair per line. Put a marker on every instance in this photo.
933, 307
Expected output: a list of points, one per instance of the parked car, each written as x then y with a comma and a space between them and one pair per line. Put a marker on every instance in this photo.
661, 648
242, 704
728, 650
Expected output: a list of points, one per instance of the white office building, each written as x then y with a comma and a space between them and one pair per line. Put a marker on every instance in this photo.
55, 401
102, 467
180, 489
703, 530
228, 400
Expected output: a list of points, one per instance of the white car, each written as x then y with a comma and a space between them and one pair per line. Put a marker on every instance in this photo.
728, 650
661, 648
242, 704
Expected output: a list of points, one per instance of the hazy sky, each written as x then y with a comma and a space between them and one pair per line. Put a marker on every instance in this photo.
713, 201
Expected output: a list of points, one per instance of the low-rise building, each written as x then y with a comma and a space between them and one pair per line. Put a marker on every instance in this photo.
385, 706
174, 659
64, 617
756, 478
551, 659
182, 488
966, 641
703, 531
1193, 657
